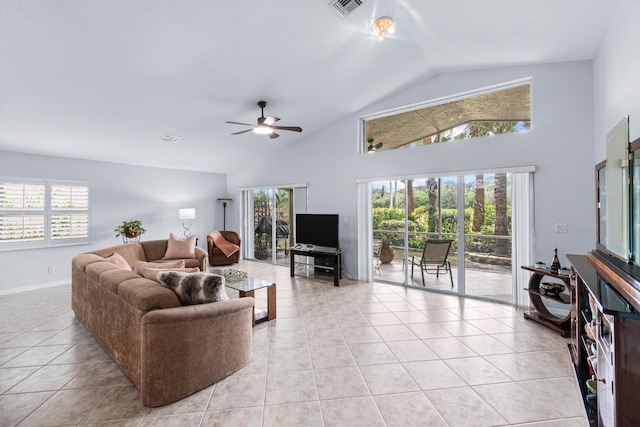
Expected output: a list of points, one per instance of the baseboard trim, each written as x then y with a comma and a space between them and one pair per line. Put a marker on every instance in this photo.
34, 287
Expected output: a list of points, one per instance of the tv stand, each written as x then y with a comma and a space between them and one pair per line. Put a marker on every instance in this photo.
332, 256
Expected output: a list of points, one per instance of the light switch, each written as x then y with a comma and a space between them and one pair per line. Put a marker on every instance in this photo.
561, 227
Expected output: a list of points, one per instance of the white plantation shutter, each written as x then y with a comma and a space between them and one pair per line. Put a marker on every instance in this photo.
69, 212
43, 213
22, 212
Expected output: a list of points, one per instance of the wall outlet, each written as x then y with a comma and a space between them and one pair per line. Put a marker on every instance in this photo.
562, 227
51, 269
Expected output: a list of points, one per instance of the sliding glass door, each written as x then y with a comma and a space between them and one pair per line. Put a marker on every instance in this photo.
471, 213
262, 224
389, 237
268, 221
488, 240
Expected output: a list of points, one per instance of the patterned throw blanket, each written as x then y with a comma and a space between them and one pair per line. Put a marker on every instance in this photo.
225, 246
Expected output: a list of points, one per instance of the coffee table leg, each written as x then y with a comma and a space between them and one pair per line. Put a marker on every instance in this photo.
243, 294
271, 302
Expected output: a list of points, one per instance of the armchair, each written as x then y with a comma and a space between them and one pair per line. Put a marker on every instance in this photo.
216, 255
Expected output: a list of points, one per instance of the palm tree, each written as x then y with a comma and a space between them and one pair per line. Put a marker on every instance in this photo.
478, 204
411, 204
432, 189
502, 225
500, 192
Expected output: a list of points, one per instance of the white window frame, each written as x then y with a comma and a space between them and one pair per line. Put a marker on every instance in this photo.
300, 202
522, 205
362, 144
54, 236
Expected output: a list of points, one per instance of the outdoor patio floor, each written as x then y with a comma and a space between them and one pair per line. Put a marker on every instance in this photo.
481, 283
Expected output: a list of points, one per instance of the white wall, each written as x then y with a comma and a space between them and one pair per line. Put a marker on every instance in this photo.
559, 144
616, 71
120, 192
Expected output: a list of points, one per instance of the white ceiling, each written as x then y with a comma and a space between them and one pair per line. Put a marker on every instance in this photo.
104, 80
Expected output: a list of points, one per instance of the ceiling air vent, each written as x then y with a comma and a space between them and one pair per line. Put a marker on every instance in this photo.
170, 138
345, 7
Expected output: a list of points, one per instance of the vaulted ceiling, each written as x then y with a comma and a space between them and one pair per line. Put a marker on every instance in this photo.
105, 80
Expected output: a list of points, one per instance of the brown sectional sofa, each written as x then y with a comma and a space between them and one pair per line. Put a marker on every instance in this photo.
167, 350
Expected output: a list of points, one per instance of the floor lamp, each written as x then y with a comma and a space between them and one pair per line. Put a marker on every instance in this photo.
224, 201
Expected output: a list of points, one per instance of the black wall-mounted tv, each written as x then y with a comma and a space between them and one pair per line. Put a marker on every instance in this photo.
318, 230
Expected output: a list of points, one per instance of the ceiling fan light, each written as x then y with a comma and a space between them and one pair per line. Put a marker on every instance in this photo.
262, 129
383, 26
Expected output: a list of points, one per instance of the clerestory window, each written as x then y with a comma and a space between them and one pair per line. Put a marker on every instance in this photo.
483, 113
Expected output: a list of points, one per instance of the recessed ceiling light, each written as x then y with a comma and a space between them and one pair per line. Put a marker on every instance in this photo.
170, 138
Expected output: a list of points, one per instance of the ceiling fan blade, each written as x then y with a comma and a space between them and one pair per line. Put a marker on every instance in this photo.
292, 128
270, 120
242, 131
238, 123
273, 135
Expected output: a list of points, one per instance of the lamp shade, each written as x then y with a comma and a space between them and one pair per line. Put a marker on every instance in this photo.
187, 213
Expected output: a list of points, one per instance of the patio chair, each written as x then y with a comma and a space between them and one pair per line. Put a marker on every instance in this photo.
377, 245
434, 258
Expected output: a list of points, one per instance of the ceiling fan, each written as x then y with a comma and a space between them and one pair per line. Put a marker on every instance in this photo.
265, 124
373, 148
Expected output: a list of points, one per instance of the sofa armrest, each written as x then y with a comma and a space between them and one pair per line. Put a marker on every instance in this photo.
203, 259
185, 349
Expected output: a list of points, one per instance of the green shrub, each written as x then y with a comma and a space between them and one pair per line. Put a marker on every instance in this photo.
395, 231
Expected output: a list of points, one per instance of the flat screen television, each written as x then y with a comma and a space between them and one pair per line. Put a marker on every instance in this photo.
318, 230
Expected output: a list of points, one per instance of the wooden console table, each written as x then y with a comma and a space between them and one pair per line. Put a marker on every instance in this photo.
542, 315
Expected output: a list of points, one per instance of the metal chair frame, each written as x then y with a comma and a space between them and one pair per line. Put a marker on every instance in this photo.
377, 245
434, 256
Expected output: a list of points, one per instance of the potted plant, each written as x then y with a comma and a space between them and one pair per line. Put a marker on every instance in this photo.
130, 230
262, 248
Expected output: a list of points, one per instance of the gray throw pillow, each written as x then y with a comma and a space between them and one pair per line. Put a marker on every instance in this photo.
194, 288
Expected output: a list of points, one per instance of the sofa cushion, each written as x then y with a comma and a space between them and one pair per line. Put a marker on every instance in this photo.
111, 279
194, 288
177, 248
119, 260
94, 270
131, 252
152, 273
189, 263
146, 295
83, 260
141, 265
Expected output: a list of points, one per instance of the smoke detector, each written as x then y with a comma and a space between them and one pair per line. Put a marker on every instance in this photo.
345, 7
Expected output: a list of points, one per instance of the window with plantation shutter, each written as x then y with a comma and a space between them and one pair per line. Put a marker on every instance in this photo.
69, 212
39, 214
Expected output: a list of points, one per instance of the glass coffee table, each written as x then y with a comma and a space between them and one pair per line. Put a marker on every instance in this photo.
247, 287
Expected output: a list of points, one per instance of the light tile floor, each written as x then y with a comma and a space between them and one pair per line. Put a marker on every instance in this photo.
362, 354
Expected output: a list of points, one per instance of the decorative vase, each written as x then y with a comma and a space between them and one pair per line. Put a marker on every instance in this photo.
555, 264
386, 253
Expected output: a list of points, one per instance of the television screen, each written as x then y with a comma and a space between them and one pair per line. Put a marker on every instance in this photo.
317, 229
